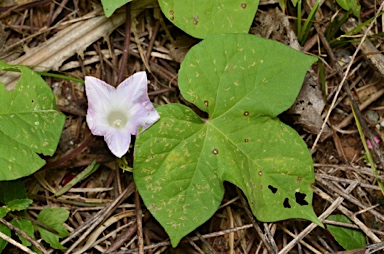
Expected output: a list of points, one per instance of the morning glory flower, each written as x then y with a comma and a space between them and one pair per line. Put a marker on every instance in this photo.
117, 113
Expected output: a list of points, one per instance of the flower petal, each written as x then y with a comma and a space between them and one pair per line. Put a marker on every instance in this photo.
100, 95
141, 111
143, 115
118, 141
129, 99
134, 89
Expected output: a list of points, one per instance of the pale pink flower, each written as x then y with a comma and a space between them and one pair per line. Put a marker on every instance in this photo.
117, 113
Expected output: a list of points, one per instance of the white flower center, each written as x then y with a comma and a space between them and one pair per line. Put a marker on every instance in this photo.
117, 119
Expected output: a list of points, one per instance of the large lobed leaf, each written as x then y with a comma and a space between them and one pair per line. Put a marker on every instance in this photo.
202, 18
243, 82
30, 124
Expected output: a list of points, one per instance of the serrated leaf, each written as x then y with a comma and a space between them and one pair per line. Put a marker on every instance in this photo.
243, 82
53, 217
27, 227
202, 18
30, 124
19, 204
6, 231
110, 6
349, 239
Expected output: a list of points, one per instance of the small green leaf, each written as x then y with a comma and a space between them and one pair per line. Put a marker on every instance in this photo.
202, 18
243, 82
110, 6
19, 204
349, 239
53, 217
30, 124
348, 5
3, 211
14, 195
27, 227
6, 231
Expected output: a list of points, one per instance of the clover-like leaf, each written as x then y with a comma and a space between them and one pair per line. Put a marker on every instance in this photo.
243, 82
30, 124
202, 18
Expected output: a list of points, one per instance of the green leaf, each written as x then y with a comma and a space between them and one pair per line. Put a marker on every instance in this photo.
11, 190
30, 124
27, 227
243, 82
3, 211
110, 6
349, 239
19, 204
53, 217
14, 195
6, 231
348, 5
202, 18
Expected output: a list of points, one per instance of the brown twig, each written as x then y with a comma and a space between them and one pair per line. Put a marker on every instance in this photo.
271, 248
152, 41
69, 156
97, 219
139, 222
344, 83
195, 238
16, 244
127, 39
23, 234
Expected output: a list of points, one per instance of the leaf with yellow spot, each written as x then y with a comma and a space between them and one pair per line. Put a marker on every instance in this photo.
30, 124
244, 83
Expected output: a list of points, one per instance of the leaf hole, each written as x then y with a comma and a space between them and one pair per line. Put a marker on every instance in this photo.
206, 103
246, 113
286, 203
300, 198
243, 5
273, 189
33, 100
298, 179
215, 151
246, 140
260, 173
